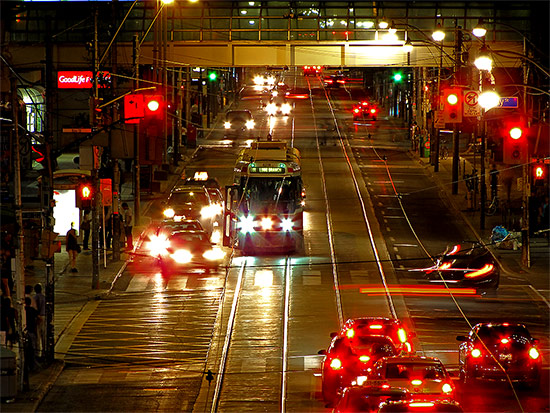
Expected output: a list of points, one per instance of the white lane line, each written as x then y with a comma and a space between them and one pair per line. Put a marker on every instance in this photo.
540, 295
406, 245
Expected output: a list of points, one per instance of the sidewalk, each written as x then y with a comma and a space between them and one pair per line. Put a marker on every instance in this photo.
511, 260
73, 292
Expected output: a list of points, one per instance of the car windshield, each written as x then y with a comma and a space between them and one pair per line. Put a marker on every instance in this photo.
238, 116
183, 238
185, 197
183, 226
429, 371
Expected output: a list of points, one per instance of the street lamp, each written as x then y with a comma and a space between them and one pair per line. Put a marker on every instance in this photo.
479, 30
484, 61
438, 35
488, 100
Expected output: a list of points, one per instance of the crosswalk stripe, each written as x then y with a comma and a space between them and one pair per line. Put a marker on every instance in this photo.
138, 283
179, 283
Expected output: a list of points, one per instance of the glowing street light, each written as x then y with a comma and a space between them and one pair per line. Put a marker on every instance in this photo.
479, 30
489, 99
484, 61
408, 46
438, 35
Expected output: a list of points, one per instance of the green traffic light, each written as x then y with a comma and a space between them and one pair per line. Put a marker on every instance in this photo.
397, 77
212, 76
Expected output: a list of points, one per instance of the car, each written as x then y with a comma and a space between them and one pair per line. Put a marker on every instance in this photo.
363, 397
279, 105
312, 70
178, 223
353, 351
420, 406
334, 81
500, 351
239, 123
182, 250
193, 202
424, 377
364, 110
465, 265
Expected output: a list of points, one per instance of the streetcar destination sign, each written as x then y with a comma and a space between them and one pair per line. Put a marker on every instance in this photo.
267, 169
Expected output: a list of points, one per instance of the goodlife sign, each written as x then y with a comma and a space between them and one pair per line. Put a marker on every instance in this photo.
78, 79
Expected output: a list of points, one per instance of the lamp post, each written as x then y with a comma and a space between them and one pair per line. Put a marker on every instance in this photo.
438, 36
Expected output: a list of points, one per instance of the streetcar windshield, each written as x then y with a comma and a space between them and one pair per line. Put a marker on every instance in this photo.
281, 193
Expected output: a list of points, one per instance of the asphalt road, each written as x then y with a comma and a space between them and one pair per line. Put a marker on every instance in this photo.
147, 347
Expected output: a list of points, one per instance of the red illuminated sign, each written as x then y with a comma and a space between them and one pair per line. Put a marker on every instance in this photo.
78, 79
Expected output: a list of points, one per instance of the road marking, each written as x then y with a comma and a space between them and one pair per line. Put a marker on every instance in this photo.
540, 295
406, 245
138, 283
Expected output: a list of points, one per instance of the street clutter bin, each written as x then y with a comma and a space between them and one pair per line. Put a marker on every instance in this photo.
8, 375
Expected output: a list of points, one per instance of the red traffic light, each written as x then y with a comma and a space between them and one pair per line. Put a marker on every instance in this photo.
515, 132
86, 192
452, 105
154, 106
84, 195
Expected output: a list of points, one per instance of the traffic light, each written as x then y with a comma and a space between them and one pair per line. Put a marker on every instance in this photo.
539, 173
397, 77
84, 195
212, 76
515, 150
452, 105
153, 106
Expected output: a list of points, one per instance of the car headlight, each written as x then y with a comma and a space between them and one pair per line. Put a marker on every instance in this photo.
250, 124
271, 109
158, 245
286, 108
533, 353
216, 237
169, 213
447, 388
214, 254
335, 364
182, 256
227, 125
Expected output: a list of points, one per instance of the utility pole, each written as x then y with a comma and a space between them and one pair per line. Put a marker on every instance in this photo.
137, 188
19, 259
47, 189
95, 171
526, 187
456, 131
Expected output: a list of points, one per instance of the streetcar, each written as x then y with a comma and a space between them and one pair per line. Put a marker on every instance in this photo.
264, 207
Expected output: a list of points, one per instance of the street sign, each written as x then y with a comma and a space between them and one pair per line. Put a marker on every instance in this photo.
106, 188
471, 104
439, 121
508, 102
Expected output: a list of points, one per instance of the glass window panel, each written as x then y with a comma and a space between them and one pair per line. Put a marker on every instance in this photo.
245, 23
237, 35
219, 36
274, 35
276, 8
304, 24
187, 35
274, 24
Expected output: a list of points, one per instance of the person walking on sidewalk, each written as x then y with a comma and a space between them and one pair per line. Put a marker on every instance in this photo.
72, 247
127, 219
86, 226
31, 316
40, 300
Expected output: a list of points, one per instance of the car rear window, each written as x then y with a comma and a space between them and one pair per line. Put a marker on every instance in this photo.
430, 371
189, 197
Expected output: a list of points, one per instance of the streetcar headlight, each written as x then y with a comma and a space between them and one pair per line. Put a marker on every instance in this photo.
250, 124
169, 213
286, 224
401, 333
266, 223
214, 254
246, 224
182, 256
227, 125
216, 237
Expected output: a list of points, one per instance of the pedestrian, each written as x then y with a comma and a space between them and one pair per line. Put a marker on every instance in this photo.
127, 219
72, 247
8, 326
493, 174
28, 294
108, 227
40, 300
31, 316
86, 226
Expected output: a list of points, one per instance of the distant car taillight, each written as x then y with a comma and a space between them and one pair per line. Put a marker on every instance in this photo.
335, 364
534, 353
476, 353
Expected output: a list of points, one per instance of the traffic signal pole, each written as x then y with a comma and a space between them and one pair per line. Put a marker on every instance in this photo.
137, 188
95, 171
456, 131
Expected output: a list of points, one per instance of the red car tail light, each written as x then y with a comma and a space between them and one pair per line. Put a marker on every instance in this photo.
375, 326
476, 353
486, 269
504, 341
356, 110
350, 333
373, 110
335, 364
416, 382
447, 388
364, 358
455, 249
